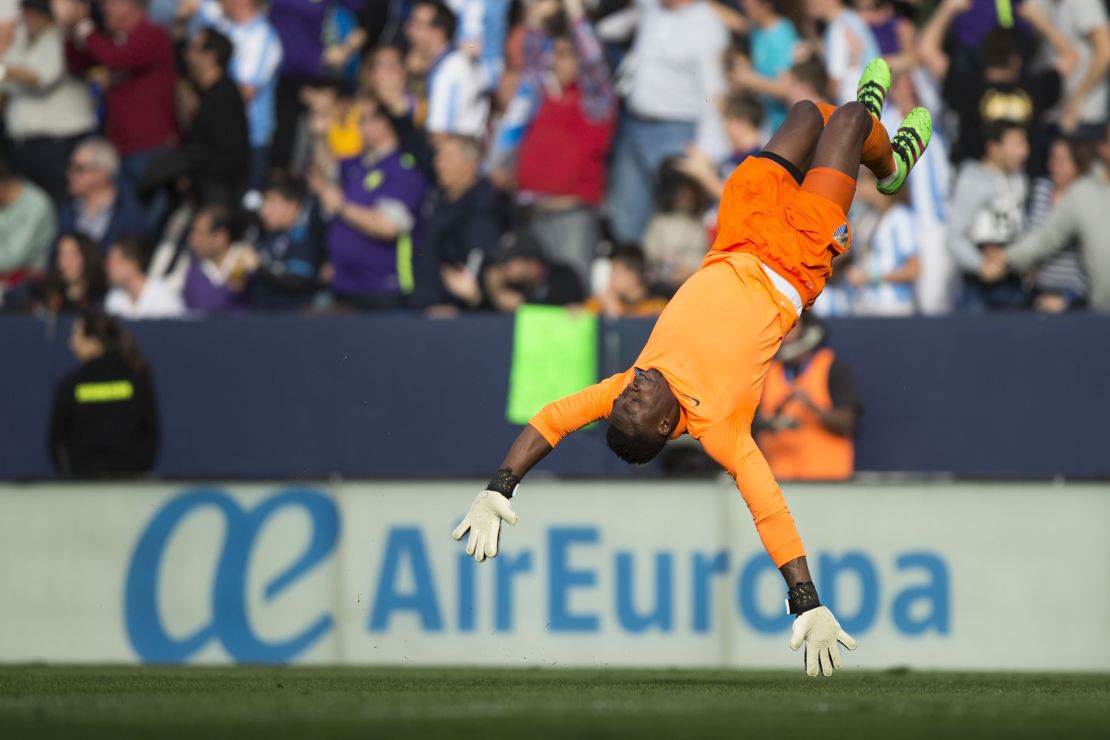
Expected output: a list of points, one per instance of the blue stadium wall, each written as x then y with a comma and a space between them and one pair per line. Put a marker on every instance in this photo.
399, 396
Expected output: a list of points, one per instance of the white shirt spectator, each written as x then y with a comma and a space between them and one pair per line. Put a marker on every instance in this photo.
59, 106
456, 100
156, 301
675, 70
254, 64
892, 246
849, 46
1077, 19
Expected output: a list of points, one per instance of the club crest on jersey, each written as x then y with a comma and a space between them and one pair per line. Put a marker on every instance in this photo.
840, 236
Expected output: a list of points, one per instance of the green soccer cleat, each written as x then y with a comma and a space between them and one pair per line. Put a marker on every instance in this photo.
908, 145
874, 85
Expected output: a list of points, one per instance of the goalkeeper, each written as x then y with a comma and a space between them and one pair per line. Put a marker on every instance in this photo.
783, 218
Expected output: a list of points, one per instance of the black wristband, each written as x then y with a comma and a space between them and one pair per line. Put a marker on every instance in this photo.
504, 482
801, 598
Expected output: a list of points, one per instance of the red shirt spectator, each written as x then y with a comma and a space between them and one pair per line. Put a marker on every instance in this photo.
138, 55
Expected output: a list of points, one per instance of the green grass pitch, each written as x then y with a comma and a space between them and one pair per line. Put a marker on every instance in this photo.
481, 703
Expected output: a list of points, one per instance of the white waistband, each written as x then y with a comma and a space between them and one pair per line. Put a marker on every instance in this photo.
784, 287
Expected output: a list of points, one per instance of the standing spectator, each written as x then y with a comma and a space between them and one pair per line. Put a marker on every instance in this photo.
46, 111
1082, 215
1059, 284
104, 422
215, 152
255, 59
848, 45
300, 26
996, 89
455, 85
481, 32
140, 113
76, 281
27, 227
372, 210
628, 292
889, 264
774, 41
674, 78
987, 213
217, 275
561, 172
676, 239
98, 207
894, 33
465, 222
809, 410
290, 247
134, 294
1086, 103
9, 16
808, 80
744, 128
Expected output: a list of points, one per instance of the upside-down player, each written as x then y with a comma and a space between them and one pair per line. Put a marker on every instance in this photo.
783, 217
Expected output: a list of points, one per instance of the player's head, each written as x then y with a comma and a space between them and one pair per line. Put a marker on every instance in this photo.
1006, 145
643, 418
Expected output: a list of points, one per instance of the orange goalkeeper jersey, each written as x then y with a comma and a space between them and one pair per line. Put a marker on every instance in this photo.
713, 343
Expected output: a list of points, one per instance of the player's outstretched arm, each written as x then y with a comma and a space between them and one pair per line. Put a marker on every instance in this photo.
815, 626
539, 437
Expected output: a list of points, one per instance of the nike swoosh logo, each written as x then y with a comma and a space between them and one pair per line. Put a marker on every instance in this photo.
696, 401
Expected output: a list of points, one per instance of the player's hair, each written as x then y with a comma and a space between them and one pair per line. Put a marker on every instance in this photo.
812, 72
995, 131
744, 108
443, 17
135, 249
633, 449
1000, 46
218, 44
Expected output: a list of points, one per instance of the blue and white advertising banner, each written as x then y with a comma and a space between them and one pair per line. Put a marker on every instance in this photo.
954, 576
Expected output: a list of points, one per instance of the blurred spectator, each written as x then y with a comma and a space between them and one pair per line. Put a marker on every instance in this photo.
76, 281
104, 422
218, 269
140, 113
848, 45
373, 209
673, 79
301, 27
215, 152
9, 16
290, 247
482, 28
807, 80
46, 110
134, 295
676, 239
1059, 283
333, 125
628, 293
255, 59
99, 208
807, 417
744, 128
1086, 103
561, 172
455, 85
894, 33
774, 42
1082, 215
27, 227
465, 221
996, 89
888, 264
987, 213
521, 274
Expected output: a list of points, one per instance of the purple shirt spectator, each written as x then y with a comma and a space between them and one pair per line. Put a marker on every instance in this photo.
205, 291
365, 265
301, 24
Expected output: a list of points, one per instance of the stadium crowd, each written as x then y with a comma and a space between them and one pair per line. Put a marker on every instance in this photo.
178, 156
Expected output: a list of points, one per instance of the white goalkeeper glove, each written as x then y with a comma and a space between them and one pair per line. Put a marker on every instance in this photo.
484, 522
819, 631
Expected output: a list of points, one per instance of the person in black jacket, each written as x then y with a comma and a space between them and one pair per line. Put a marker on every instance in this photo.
215, 152
105, 417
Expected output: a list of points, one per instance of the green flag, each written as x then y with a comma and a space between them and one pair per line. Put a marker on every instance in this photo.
554, 355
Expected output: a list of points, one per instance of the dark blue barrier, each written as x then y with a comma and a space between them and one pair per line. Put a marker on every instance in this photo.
308, 397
